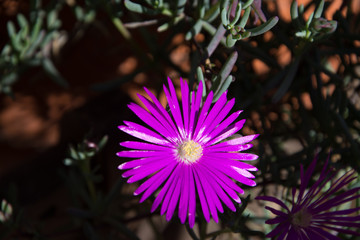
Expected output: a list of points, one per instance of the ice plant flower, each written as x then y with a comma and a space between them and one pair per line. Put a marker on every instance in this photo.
186, 154
313, 213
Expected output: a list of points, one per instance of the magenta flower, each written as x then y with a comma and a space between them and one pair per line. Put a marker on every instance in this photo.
312, 214
186, 153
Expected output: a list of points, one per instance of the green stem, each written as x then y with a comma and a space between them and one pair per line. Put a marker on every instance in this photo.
203, 226
85, 167
191, 232
127, 35
122, 29
154, 228
217, 233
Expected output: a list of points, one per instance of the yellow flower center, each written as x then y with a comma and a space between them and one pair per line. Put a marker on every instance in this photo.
189, 152
302, 218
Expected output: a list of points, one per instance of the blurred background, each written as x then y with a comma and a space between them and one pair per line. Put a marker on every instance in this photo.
69, 68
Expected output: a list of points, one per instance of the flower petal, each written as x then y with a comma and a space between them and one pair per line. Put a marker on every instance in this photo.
194, 110
192, 199
162, 110
143, 133
209, 196
170, 192
217, 112
173, 133
229, 148
143, 171
184, 196
276, 220
274, 200
232, 173
150, 120
154, 182
335, 213
141, 154
175, 196
228, 181
219, 191
233, 156
174, 106
144, 146
203, 202
224, 182
318, 233
185, 103
224, 130
277, 212
229, 162
281, 229
173, 177
236, 141
143, 161
202, 115
209, 188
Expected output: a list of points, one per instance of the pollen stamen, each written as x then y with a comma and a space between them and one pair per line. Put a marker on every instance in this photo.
189, 152
302, 218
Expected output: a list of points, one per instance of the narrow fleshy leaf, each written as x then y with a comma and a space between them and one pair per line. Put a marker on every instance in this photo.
264, 27
135, 7
319, 9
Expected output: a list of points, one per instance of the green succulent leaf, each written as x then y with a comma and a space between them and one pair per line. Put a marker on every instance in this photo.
294, 10
230, 41
264, 27
237, 14
53, 72
201, 79
194, 30
319, 9
244, 18
247, 4
36, 29
223, 87
224, 17
137, 8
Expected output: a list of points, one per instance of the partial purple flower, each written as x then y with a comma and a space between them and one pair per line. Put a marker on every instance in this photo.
186, 154
314, 212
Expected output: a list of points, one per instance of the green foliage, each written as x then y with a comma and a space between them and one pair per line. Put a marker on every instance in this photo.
82, 179
315, 27
6, 211
30, 46
236, 26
